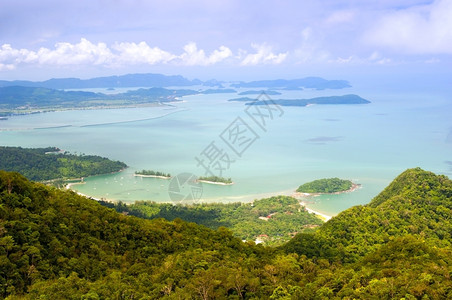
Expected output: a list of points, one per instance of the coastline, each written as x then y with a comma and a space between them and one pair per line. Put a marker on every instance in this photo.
81, 180
19, 112
300, 195
151, 176
69, 187
354, 187
214, 182
322, 216
23, 113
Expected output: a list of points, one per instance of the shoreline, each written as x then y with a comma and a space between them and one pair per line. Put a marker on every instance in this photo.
68, 185
69, 188
152, 176
311, 211
31, 111
214, 182
354, 187
300, 196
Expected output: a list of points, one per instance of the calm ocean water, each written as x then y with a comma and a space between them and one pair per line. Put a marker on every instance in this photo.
369, 144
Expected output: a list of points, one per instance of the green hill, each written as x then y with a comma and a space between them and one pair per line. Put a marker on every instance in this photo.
60, 244
416, 202
326, 185
55, 244
49, 163
272, 220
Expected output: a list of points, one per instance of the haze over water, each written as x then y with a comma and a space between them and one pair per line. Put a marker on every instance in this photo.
369, 144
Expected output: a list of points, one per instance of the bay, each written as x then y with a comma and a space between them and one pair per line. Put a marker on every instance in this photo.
369, 144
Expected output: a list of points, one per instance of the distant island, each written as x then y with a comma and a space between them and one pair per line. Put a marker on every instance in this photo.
254, 92
327, 186
25, 100
25, 97
346, 99
216, 180
151, 173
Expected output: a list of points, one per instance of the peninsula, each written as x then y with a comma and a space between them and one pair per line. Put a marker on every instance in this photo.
51, 163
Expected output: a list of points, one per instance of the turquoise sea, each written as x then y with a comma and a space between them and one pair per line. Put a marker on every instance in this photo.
369, 144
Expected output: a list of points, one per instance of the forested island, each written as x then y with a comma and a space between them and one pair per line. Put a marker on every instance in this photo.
327, 186
215, 180
55, 244
151, 173
345, 99
51, 163
24, 97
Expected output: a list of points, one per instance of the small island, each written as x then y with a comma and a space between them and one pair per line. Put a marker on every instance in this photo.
151, 173
327, 186
215, 180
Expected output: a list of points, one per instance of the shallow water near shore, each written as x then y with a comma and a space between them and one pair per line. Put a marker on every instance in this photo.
370, 144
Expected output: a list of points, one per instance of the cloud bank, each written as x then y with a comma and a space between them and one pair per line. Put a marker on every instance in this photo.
417, 30
129, 53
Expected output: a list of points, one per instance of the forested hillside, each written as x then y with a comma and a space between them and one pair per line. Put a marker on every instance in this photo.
416, 202
47, 163
57, 245
271, 221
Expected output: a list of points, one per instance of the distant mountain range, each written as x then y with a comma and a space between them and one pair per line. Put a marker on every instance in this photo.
160, 80
129, 80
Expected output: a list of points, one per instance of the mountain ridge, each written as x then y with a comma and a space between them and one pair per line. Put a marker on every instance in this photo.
116, 81
56, 244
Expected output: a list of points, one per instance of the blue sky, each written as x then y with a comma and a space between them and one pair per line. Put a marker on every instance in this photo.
224, 39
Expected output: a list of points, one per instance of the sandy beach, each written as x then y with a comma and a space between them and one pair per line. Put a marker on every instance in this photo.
69, 187
213, 182
299, 196
323, 216
152, 176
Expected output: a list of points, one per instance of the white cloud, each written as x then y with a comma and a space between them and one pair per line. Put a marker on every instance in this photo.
263, 55
374, 58
132, 53
309, 51
84, 52
117, 55
417, 30
11, 56
341, 16
192, 56
7, 67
